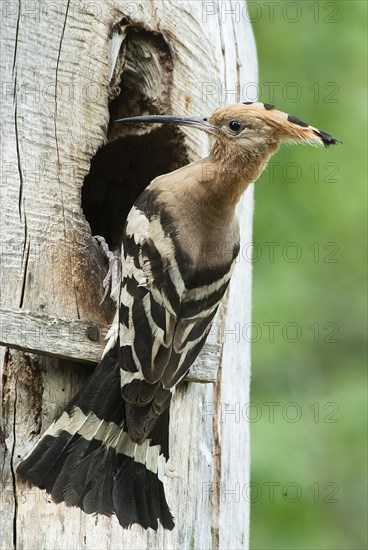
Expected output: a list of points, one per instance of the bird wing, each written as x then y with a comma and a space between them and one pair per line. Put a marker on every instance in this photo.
150, 298
163, 324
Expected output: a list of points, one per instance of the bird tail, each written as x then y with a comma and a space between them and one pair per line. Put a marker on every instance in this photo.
87, 459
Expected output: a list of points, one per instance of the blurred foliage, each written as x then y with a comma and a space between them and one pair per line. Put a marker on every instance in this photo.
316, 199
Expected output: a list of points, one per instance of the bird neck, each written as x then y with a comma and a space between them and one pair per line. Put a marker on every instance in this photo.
227, 174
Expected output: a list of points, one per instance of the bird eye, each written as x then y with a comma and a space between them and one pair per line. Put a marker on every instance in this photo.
235, 126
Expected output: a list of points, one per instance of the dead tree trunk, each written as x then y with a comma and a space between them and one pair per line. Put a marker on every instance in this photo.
67, 69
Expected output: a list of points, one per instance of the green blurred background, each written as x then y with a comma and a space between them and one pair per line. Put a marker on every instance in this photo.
312, 206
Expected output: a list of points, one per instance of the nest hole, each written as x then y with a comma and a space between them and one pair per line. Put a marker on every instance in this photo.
133, 155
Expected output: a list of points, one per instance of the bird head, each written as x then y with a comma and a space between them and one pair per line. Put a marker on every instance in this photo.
245, 135
247, 126
261, 127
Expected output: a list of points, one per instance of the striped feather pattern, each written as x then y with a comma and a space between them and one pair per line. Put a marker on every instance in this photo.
165, 310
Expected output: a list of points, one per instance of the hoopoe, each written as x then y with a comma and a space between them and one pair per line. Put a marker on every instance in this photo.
107, 451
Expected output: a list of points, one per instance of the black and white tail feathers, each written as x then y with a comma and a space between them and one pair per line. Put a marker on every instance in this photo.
87, 459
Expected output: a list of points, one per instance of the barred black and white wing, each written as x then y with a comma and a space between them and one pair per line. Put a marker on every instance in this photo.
164, 318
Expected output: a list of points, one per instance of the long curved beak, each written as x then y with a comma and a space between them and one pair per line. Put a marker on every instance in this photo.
193, 122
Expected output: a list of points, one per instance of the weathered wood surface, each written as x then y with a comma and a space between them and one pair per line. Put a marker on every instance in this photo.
82, 341
60, 66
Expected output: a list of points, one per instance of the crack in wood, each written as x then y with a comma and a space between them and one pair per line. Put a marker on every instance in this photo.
12, 469
24, 276
69, 256
56, 114
22, 377
16, 41
21, 181
57, 79
15, 113
216, 470
3, 380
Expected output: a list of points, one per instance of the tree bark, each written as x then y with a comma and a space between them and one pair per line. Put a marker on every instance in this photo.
66, 68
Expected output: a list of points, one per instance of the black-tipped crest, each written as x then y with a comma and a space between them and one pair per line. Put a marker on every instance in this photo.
326, 138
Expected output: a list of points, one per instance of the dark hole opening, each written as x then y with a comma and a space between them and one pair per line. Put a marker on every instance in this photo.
120, 171
133, 156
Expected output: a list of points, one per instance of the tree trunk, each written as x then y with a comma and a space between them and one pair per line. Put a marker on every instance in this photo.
68, 68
